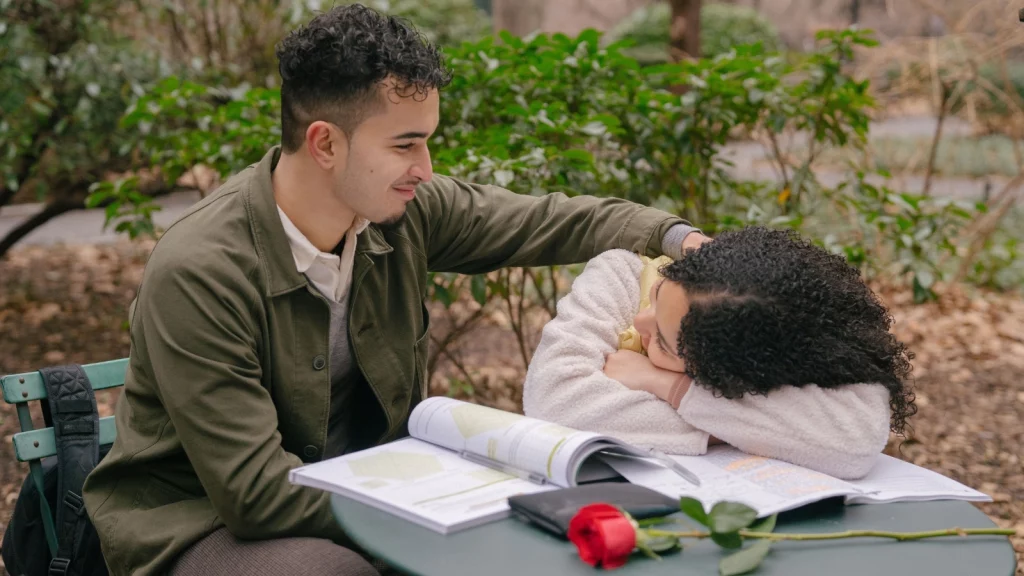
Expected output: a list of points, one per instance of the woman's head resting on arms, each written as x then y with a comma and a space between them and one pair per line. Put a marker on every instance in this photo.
758, 309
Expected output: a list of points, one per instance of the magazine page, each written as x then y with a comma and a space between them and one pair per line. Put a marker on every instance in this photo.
892, 479
419, 482
766, 485
542, 448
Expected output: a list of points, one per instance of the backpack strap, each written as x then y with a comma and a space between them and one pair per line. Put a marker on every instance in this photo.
76, 428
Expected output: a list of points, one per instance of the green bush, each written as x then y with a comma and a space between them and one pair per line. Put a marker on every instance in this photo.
555, 113
566, 114
65, 82
723, 27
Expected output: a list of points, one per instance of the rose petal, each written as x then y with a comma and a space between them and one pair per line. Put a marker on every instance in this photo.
603, 535
619, 540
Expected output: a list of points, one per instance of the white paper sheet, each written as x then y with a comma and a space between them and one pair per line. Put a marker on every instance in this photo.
771, 486
420, 482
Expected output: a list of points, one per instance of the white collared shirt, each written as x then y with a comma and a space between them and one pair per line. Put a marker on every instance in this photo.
330, 274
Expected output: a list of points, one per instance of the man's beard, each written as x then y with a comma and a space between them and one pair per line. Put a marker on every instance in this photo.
393, 222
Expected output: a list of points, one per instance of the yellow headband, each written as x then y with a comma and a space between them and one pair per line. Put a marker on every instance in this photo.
629, 339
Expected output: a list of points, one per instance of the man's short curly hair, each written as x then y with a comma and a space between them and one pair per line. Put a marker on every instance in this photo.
332, 67
768, 309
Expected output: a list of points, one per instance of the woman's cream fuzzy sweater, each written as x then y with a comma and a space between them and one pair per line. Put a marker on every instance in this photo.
835, 431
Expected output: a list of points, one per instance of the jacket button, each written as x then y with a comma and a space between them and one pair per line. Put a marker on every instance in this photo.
319, 362
309, 451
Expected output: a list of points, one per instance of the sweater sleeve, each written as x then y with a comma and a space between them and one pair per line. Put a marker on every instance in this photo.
837, 431
565, 382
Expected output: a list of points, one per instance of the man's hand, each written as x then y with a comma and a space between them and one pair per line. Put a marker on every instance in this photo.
694, 240
635, 371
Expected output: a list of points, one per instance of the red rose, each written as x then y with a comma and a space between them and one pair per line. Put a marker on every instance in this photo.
603, 535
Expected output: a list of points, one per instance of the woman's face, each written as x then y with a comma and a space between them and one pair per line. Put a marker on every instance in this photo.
659, 325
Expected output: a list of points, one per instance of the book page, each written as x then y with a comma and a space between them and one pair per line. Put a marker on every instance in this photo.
766, 485
892, 479
420, 482
525, 443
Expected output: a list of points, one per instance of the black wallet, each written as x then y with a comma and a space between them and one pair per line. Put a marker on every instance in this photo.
553, 510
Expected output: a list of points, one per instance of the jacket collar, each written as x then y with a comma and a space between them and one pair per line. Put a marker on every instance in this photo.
373, 242
271, 240
303, 251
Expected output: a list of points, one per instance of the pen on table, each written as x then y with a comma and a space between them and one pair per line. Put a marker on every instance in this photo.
676, 467
501, 467
664, 459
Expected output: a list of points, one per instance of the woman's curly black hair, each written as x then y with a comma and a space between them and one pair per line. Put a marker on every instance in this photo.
331, 68
768, 309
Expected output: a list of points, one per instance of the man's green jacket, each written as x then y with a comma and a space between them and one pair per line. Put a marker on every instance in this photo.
228, 383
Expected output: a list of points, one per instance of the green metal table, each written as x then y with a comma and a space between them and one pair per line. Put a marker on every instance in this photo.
512, 547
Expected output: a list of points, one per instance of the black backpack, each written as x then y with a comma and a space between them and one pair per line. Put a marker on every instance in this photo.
71, 411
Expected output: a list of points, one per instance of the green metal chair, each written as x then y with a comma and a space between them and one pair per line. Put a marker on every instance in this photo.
32, 445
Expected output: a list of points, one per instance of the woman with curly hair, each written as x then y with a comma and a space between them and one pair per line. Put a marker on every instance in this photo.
759, 339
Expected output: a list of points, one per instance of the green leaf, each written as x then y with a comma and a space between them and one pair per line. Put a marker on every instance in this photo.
727, 539
922, 294
766, 525
95, 199
39, 108
663, 544
694, 509
595, 128
579, 156
746, 560
926, 279
478, 286
730, 517
590, 36
441, 293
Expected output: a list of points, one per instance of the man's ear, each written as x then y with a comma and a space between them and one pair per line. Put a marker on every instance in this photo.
327, 145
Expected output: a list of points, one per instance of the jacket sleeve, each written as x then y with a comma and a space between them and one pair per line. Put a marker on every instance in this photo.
565, 383
473, 228
837, 431
200, 327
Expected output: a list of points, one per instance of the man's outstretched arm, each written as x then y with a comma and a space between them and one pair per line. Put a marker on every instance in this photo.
473, 228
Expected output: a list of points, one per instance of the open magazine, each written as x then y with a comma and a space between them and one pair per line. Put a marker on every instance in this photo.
770, 486
463, 461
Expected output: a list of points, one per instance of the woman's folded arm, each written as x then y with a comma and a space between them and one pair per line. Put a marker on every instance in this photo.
837, 431
565, 383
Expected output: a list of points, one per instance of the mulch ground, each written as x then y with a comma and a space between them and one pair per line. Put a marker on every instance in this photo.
69, 304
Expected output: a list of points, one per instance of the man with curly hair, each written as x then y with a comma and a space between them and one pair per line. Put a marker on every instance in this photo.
281, 321
760, 340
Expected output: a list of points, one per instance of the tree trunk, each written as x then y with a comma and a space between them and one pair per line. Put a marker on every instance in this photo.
685, 30
854, 11
520, 17
51, 211
71, 201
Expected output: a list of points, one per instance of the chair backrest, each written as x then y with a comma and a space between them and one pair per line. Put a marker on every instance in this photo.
32, 445
20, 389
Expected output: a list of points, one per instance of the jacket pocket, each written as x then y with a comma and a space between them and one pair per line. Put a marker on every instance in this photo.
159, 492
